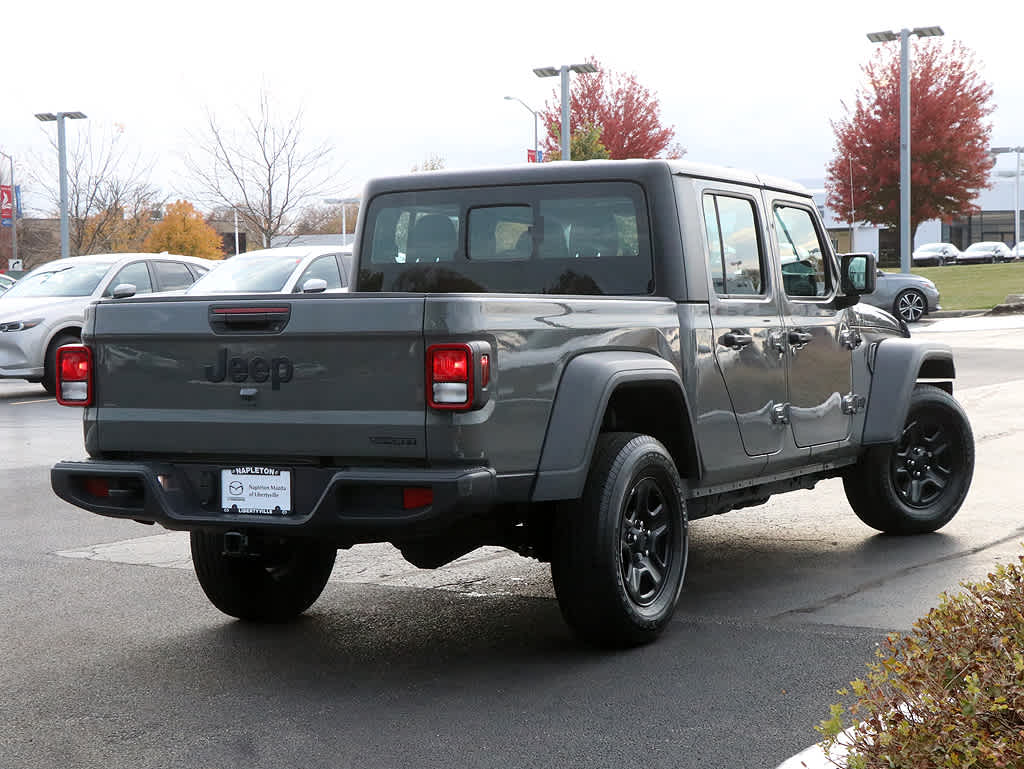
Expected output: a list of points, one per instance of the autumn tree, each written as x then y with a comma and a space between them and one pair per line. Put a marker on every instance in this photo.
326, 220
184, 231
110, 199
584, 144
949, 130
626, 114
266, 170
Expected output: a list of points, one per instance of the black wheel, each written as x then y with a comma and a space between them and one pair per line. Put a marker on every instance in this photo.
910, 305
279, 583
619, 553
49, 380
918, 484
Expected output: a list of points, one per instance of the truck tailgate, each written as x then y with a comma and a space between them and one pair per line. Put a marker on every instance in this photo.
300, 375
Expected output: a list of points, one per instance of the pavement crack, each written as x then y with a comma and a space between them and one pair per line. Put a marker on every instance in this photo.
878, 582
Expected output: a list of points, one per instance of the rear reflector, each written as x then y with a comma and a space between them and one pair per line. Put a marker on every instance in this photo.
74, 375
97, 487
414, 497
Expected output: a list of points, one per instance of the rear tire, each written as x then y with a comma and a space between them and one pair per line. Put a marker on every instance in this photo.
619, 553
275, 586
918, 484
49, 380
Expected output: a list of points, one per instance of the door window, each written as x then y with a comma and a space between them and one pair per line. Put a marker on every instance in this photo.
136, 273
804, 260
734, 248
172, 276
325, 268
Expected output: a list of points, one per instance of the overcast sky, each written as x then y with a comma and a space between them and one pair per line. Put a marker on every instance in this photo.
745, 84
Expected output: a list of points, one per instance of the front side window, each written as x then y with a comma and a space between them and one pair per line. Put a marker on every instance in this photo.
804, 259
734, 248
568, 238
326, 269
136, 273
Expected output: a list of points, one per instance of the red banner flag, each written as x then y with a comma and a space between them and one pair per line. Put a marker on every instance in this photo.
6, 202
531, 156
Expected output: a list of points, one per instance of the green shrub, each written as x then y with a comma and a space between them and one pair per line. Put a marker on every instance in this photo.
948, 694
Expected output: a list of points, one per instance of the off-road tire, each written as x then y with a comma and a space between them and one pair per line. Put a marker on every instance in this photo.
918, 484
49, 380
273, 587
619, 553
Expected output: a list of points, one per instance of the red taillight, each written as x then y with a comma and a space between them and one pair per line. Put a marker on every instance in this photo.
74, 375
414, 497
450, 377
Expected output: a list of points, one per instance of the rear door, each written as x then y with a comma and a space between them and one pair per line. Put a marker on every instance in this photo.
745, 314
310, 375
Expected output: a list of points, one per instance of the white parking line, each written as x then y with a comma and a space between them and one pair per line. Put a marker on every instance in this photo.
40, 400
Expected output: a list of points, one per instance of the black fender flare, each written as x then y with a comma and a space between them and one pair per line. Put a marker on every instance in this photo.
586, 387
897, 365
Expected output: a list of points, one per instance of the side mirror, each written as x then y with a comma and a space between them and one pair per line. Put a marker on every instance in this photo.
124, 290
858, 274
314, 286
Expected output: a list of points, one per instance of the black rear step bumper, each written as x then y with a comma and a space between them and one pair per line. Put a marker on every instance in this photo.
346, 504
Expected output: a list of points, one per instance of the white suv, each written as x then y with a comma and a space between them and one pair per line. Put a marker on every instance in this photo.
46, 308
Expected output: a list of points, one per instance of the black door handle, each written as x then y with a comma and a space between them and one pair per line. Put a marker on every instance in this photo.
737, 340
799, 337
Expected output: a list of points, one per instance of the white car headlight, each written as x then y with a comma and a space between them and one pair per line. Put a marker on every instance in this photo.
19, 325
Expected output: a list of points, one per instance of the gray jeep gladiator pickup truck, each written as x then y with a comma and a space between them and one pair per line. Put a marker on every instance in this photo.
571, 360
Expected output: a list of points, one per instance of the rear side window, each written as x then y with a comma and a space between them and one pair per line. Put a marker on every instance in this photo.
734, 248
573, 238
172, 276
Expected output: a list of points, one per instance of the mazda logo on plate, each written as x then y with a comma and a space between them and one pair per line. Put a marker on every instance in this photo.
235, 488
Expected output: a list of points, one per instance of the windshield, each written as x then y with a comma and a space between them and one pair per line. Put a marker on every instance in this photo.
76, 280
932, 247
981, 247
248, 273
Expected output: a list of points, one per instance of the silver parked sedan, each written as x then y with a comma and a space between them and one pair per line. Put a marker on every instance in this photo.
906, 296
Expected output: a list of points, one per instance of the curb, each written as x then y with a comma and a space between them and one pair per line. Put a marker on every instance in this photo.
954, 313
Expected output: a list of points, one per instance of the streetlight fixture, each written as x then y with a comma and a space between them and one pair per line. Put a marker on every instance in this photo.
343, 202
536, 115
906, 246
564, 72
62, 161
14, 213
996, 151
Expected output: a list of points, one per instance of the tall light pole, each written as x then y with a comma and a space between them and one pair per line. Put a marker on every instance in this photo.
564, 72
536, 115
62, 161
1016, 190
906, 246
14, 212
343, 202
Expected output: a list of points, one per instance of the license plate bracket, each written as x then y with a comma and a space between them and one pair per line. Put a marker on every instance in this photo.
256, 490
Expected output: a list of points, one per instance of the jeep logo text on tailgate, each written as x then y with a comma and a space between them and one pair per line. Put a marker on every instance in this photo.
277, 370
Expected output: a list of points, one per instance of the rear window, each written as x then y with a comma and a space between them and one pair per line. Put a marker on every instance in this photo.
539, 239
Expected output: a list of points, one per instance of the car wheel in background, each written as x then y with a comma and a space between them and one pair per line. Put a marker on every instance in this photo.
910, 305
50, 364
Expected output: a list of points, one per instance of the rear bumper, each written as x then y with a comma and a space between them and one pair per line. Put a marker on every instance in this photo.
348, 505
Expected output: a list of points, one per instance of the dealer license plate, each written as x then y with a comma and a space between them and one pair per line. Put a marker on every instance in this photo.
256, 490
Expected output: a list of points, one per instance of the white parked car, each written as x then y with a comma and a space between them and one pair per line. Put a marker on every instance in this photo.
287, 270
986, 252
46, 308
935, 255
1018, 251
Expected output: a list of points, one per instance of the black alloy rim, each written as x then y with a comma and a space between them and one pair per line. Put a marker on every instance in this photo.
924, 461
646, 541
911, 306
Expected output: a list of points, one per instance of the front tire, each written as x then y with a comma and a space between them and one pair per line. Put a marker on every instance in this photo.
910, 305
49, 380
274, 586
619, 553
918, 484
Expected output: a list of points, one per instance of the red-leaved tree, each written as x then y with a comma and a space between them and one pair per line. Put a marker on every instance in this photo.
626, 114
949, 138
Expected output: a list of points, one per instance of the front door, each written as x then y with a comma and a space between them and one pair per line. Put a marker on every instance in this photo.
745, 316
816, 333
